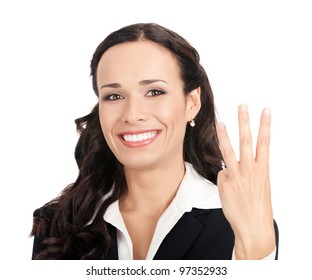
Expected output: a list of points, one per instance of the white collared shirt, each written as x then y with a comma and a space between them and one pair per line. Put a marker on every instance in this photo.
194, 192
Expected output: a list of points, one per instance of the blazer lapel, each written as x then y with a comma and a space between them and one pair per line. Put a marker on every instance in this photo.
180, 238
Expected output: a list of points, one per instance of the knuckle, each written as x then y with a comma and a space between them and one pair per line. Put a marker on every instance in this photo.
246, 140
227, 152
264, 141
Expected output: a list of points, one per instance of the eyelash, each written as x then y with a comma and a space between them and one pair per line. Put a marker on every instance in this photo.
113, 97
116, 96
158, 91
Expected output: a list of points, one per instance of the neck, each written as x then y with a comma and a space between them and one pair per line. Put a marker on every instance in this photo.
150, 191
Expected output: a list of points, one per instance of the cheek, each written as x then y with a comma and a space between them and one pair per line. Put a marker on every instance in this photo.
107, 121
172, 115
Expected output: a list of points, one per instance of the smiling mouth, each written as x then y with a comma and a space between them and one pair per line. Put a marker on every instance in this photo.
139, 138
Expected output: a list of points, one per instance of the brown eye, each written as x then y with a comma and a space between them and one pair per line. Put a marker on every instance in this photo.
155, 92
113, 97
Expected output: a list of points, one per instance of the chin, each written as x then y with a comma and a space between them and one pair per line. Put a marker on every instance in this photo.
140, 163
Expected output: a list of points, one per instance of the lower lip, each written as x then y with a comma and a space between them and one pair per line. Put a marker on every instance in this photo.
138, 144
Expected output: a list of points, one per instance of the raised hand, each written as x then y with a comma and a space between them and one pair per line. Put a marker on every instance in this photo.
244, 188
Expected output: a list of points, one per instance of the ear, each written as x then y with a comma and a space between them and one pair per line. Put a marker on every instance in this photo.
193, 104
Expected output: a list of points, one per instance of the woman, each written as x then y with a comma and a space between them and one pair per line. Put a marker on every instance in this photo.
152, 181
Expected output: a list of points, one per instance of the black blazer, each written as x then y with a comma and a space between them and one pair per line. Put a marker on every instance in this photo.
198, 235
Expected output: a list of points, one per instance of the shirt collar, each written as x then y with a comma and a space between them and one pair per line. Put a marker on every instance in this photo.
194, 192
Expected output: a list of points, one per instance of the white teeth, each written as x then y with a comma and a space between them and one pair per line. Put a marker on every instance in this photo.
139, 137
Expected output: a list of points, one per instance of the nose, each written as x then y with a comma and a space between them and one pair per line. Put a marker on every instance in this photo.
134, 110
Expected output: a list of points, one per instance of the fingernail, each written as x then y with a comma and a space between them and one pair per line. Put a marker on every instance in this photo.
243, 108
267, 112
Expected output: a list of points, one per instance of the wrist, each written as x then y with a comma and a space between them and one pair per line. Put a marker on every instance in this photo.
254, 247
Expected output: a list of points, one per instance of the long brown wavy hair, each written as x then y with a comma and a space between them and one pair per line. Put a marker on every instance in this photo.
64, 222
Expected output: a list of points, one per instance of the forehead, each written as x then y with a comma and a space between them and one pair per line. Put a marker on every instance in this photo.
138, 60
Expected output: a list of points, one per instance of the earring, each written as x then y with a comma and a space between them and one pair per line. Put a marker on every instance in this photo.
192, 123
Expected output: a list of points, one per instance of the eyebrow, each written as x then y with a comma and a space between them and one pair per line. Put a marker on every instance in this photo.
143, 83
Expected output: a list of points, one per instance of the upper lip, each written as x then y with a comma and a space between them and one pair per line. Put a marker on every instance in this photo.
137, 132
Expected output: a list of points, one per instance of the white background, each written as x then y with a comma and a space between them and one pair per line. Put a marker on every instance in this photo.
255, 52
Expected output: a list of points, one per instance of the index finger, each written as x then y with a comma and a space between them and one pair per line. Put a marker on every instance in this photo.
226, 147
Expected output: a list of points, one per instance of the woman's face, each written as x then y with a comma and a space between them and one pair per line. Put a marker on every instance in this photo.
142, 108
